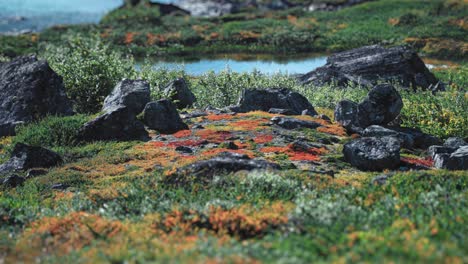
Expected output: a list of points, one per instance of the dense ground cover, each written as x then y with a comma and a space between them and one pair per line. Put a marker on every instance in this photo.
436, 28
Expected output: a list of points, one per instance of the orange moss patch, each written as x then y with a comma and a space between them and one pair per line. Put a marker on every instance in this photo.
336, 130
259, 114
186, 143
216, 151
213, 135
69, 233
219, 117
263, 139
157, 144
243, 222
312, 154
248, 125
182, 134
129, 37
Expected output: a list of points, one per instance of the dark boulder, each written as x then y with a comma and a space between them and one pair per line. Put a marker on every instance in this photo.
162, 116
406, 140
370, 65
116, 124
346, 115
373, 154
207, 8
204, 171
13, 181
432, 151
293, 123
26, 157
132, 94
29, 90
381, 106
420, 139
457, 160
180, 94
266, 99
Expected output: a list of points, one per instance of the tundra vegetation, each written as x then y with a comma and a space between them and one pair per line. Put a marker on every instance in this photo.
133, 201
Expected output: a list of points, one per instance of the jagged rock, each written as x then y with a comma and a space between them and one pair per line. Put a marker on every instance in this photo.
346, 112
180, 94
381, 179
435, 150
117, 124
370, 65
29, 90
455, 142
204, 171
421, 140
184, 149
132, 94
13, 181
265, 99
458, 160
293, 123
162, 116
26, 157
373, 154
381, 106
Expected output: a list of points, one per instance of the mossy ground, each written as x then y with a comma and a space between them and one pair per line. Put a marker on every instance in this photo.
119, 206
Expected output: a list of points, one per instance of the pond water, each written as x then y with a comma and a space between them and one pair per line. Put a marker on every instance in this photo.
267, 66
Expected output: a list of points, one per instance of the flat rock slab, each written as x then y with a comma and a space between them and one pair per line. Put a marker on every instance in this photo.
294, 123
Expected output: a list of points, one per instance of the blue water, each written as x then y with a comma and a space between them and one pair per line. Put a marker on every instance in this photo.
292, 66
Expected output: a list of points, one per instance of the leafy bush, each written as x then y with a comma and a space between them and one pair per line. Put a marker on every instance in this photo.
89, 69
51, 132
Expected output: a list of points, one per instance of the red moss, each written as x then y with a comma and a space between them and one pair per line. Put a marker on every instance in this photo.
187, 143
157, 144
248, 125
311, 154
336, 130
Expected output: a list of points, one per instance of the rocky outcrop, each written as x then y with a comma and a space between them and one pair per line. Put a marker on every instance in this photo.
117, 124
381, 106
373, 154
333, 5
25, 157
29, 90
133, 94
13, 181
180, 94
370, 65
410, 138
266, 99
204, 171
162, 116
207, 8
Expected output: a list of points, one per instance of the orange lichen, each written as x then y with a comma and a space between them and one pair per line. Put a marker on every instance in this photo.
214, 136
216, 151
129, 37
72, 232
248, 125
243, 222
311, 154
186, 143
219, 117
262, 139
157, 144
336, 130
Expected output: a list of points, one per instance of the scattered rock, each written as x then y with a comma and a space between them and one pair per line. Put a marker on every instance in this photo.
132, 94
26, 157
323, 117
266, 99
29, 90
458, 160
180, 94
162, 116
420, 139
116, 124
294, 123
204, 171
370, 65
435, 150
381, 106
35, 172
60, 186
381, 179
13, 181
373, 154
206, 8
232, 145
